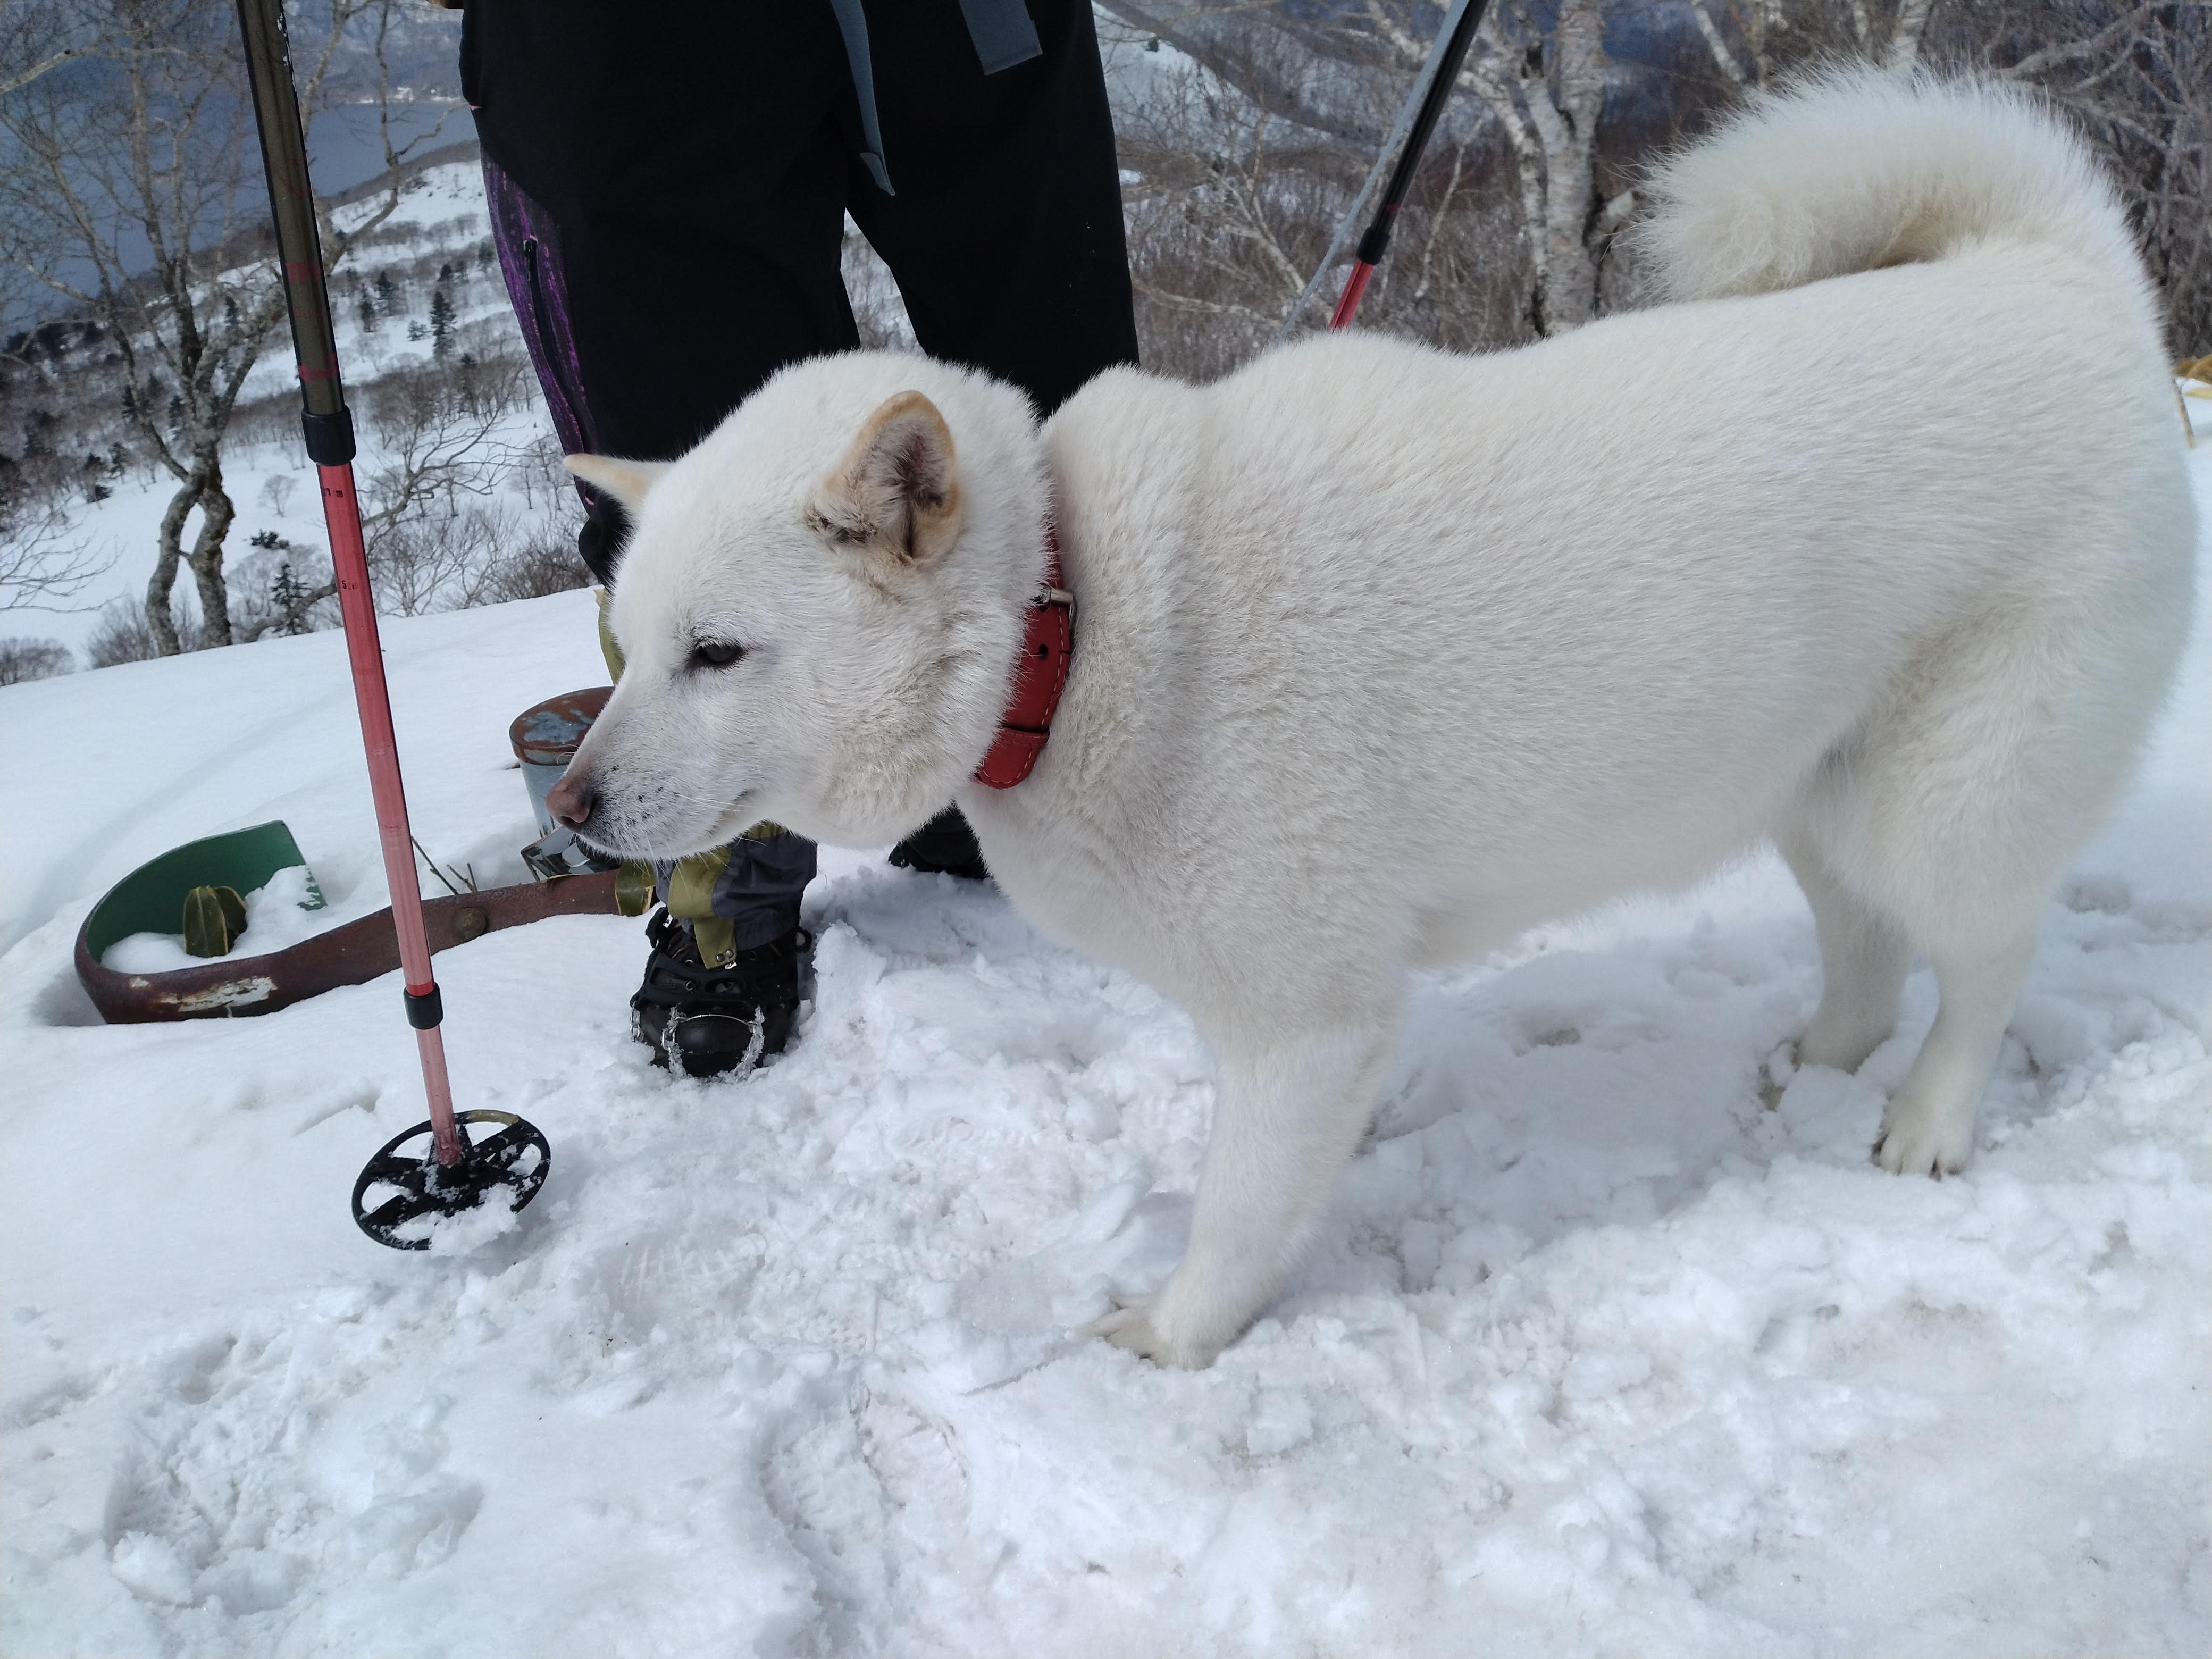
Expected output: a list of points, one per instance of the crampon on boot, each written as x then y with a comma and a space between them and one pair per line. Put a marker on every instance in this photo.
711, 1020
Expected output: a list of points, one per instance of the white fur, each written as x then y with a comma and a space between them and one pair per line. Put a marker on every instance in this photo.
1383, 654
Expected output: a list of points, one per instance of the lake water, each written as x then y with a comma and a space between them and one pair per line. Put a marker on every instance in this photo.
344, 148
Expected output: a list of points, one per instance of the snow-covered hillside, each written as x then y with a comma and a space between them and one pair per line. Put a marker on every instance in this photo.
434, 250
1616, 1342
439, 225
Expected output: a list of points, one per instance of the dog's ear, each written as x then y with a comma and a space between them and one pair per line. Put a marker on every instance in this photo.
895, 494
628, 481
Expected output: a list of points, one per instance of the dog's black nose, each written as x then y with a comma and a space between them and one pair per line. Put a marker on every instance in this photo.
571, 800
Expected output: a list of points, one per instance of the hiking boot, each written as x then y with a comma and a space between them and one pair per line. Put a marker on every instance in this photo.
945, 843
713, 1020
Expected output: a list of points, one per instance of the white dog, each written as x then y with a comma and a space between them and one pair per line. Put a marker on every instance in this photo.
1876, 543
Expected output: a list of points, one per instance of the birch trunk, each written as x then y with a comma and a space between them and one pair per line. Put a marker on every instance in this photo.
1576, 86
1905, 38
151, 165
161, 618
216, 512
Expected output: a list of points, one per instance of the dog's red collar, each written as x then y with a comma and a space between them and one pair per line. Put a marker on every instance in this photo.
1039, 679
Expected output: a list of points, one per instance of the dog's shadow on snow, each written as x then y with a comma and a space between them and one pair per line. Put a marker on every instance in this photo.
917, 917
1555, 1089
1569, 1089
1532, 1096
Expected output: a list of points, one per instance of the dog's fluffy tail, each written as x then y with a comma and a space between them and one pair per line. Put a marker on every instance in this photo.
1855, 169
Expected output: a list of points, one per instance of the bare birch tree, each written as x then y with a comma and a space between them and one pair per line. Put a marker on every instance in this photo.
2138, 78
1298, 103
41, 567
1545, 89
131, 192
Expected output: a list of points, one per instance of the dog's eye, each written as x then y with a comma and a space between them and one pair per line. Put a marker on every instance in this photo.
715, 654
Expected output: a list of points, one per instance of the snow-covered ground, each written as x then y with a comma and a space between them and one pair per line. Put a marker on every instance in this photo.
1616, 1342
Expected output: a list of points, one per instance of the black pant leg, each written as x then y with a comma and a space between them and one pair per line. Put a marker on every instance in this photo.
694, 156
1005, 230
692, 161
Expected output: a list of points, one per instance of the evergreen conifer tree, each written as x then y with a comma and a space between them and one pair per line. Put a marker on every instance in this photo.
285, 593
442, 325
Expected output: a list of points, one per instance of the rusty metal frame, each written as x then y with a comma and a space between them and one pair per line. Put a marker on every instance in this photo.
349, 955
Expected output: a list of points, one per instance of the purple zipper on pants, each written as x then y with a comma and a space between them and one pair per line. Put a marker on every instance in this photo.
529, 246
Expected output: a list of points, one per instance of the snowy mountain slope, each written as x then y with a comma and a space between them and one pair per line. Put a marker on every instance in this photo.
440, 222
436, 243
1616, 1342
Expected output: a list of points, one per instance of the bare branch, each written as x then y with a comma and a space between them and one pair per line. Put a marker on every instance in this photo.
135, 194
42, 569
22, 78
2122, 30
1723, 59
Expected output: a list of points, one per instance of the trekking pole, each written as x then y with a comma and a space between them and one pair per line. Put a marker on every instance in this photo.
455, 1176
1432, 89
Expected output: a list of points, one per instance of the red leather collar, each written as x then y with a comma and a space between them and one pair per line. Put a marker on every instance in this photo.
1039, 679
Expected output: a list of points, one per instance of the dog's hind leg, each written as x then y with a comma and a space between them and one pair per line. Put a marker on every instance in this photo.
1927, 823
1286, 1118
1863, 958
1955, 810
1928, 1128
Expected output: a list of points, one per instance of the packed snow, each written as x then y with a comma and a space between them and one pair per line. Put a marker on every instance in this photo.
1615, 1342
285, 911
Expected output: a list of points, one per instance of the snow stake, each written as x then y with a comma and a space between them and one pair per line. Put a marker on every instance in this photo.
1415, 122
455, 1176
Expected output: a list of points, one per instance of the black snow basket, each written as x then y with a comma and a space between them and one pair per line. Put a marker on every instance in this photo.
514, 1161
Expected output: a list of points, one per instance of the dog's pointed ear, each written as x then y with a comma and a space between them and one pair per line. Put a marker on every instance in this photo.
628, 481
896, 494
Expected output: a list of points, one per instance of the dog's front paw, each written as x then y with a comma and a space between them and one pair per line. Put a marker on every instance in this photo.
1917, 1141
1131, 1326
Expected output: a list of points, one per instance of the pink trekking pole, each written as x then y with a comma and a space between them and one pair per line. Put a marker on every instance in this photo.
1458, 36
452, 1175
1431, 90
